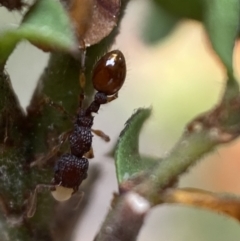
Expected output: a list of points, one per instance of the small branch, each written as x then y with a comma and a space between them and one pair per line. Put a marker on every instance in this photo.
223, 203
187, 151
202, 135
125, 219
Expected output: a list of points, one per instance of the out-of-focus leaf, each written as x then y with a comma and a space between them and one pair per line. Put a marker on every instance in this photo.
158, 23
183, 9
127, 158
94, 20
221, 19
46, 25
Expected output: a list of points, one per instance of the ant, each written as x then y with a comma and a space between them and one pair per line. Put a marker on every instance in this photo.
71, 168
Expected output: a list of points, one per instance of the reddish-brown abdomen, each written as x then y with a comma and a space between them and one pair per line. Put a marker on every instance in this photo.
109, 73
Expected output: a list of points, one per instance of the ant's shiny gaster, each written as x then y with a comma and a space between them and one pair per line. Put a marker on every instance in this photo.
71, 168
109, 73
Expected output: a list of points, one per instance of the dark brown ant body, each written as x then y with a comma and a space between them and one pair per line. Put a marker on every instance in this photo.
71, 168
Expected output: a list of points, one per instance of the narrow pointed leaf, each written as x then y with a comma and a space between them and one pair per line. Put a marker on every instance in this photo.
127, 158
187, 9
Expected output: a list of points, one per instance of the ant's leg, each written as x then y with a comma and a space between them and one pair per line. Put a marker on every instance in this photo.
101, 134
82, 77
111, 98
44, 159
80, 196
56, 106
6, 211
6, 137
4, 206
32, 201
89, 154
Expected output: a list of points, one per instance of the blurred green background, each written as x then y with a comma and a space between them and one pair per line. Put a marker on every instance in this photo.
172, 68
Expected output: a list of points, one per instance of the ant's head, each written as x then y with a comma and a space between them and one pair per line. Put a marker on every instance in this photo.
109, 73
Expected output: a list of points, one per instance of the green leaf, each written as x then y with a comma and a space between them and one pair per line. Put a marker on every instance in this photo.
46, 24
221, 19
183, 9
158, 23
127, 158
